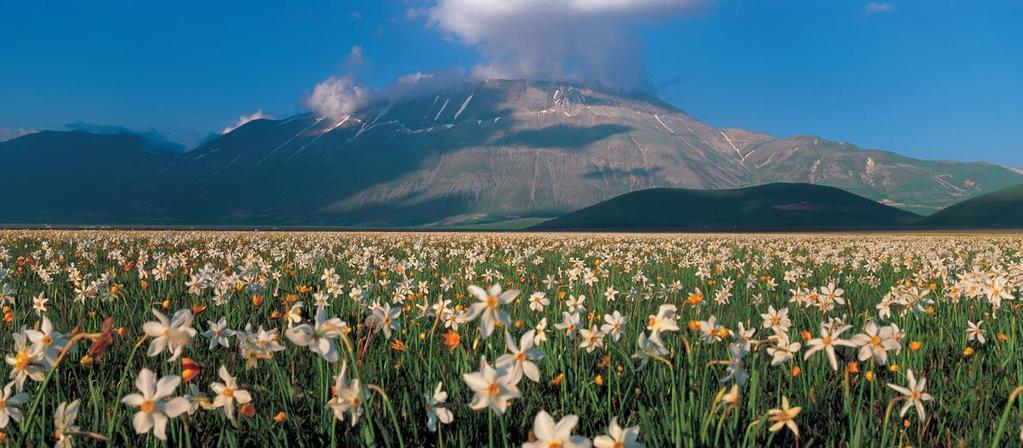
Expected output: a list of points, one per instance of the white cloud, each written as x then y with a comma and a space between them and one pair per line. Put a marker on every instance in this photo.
879, 7
420, 84
338, 96
257, 115
13, 133
558, 39
355, 57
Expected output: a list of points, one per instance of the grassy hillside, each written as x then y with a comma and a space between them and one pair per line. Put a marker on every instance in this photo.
777, 206
1002, 209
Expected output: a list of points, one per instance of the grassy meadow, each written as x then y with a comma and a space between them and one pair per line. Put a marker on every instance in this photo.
474, 339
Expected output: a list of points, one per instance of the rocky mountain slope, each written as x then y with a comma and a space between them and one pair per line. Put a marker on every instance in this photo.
502, 150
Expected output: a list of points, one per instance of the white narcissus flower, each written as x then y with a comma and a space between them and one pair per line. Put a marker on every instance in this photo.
385, 318
576, 304
39, 303
347, 398
540, 332
975, 332
648, 349
569, 323
784, 417
914, 395
26, 362
783, 350
435, 410
172, 335
318, 337
619, 438
295, 314
664, 320
831, 293
488, 307
777, 320
827, 342
875, 343
538, 301
519, 359
492, 386
592, 339
10, 405
218, 334
614, 324
47, 342
550, 434
155, 404
228, 393
64, 423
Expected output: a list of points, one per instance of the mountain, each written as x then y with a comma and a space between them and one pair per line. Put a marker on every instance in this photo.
921, 186
78, 177
1002, 209
776, 206
487, 152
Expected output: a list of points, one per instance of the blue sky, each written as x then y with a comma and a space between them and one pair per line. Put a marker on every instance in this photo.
937, 79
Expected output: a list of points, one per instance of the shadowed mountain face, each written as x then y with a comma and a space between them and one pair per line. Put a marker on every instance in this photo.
78, 177
493, 151
1002, 209
766, 207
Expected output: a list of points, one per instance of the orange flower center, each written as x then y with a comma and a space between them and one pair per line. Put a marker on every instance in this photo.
147, 406
228, 392
492, 302
493, 389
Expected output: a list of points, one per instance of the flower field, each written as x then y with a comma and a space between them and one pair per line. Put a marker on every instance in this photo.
535, 340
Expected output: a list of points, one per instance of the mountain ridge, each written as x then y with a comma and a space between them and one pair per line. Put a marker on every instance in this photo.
498, 150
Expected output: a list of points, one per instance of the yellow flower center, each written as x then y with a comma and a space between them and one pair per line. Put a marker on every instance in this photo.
492, 302
875, 340
228, 392
21, 360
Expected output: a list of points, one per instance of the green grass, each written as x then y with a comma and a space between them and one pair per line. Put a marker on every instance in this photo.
670, 401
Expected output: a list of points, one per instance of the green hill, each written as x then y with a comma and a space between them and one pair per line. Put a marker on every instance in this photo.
777, 206
1002, 209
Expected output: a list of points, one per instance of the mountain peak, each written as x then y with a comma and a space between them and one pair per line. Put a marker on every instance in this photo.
498, 150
